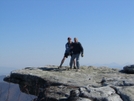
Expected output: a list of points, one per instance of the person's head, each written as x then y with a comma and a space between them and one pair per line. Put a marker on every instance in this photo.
75, 40
69, 39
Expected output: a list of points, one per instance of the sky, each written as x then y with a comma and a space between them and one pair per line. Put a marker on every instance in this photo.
34, 32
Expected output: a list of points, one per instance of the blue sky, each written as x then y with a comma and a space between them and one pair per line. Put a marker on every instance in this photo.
34, 32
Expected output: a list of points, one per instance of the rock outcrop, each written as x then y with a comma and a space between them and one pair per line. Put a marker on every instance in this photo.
129, 69
88, 84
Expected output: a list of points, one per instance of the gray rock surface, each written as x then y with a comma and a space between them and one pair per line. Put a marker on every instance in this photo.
88, 84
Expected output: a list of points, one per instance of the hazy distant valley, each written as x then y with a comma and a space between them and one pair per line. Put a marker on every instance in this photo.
11, 92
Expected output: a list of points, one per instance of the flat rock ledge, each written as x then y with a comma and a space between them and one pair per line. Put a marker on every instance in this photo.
87, 84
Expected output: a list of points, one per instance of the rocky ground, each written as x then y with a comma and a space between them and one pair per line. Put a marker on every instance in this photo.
88, 84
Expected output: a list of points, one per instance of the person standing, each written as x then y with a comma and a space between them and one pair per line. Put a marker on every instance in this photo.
77, 49
68, 52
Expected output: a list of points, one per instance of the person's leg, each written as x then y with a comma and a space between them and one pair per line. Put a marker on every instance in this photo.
62, 61
71, 61
74, 64
77, 61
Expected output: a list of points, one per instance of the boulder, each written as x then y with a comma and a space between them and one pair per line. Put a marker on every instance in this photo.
126, 93
106, 93
129, 69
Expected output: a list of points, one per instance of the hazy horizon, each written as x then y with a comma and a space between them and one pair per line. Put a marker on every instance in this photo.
8, 70
13, 93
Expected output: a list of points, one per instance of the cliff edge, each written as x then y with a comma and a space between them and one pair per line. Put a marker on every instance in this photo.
88, 84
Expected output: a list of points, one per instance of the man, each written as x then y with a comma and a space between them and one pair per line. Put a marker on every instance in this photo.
77, 49
68, 52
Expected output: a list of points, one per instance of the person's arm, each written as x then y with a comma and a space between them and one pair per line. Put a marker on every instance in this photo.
82, 50
67, 48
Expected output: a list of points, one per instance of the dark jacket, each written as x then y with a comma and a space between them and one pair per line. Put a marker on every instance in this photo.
68, 47
77, 48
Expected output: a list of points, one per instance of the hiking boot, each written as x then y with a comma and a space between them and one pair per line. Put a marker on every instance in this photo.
77, 70
74, 67
70, 68
59, 67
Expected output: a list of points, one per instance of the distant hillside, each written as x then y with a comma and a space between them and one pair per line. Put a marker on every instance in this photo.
12, 92
1, 78
110, 65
